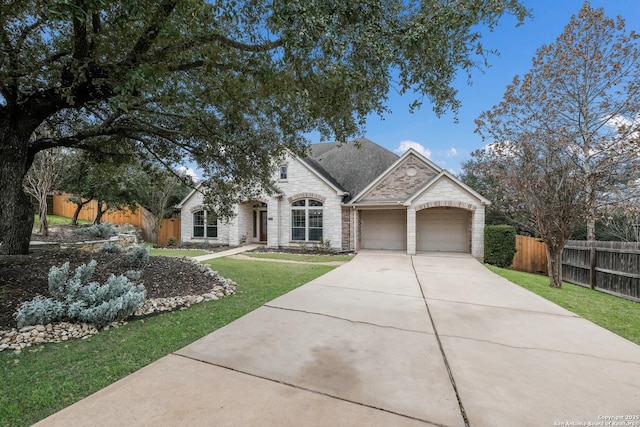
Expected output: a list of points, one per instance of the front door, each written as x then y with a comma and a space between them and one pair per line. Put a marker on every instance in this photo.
263, 226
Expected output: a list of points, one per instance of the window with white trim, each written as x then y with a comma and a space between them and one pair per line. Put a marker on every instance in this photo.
205, 223
306, 220
284, 171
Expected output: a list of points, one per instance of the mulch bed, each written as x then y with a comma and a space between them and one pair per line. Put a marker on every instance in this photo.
22, 277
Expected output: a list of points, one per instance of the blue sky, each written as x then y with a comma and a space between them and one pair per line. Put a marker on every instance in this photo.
448, 143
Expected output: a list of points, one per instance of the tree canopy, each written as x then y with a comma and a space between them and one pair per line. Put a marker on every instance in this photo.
229, 85
566, 137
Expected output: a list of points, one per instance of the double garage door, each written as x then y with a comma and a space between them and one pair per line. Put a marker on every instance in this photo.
437, 229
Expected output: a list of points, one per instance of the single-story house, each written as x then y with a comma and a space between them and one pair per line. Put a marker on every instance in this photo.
351, 196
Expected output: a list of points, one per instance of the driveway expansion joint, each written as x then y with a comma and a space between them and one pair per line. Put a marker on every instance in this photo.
318, 392
361, 322
368, 290
463, 413
519, 310
550, 350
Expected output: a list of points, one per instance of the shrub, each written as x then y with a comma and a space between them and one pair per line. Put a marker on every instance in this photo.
76, 299
138, 256
102, 231
39, 311
171, 241
110, 247
499, 245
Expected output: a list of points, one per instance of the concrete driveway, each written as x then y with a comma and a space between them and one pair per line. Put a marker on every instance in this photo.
386, 340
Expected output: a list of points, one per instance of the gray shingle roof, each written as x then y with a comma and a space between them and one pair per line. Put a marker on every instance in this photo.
350, 165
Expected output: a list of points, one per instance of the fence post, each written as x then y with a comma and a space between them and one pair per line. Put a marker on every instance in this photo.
592, 264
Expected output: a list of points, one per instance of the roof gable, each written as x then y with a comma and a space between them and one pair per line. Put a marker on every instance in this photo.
442, 177
400, 180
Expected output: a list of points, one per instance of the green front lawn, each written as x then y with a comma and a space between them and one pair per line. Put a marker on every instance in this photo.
177, 252
44, 379
616, 314
300, 257
55, 220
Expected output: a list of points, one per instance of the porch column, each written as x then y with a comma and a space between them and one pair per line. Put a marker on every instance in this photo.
273, 223
355, 227
234, 238
411, 231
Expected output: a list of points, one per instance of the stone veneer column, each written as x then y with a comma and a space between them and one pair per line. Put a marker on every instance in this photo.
477, 234
273, 223
411, 231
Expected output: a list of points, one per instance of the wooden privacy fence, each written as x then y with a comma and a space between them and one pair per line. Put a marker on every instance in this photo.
140, 217
531, 255
62, 207
616, 267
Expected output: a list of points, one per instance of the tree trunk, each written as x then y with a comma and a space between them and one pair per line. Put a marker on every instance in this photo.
76, 213
554, 256
100, 212
44, 224
16, 210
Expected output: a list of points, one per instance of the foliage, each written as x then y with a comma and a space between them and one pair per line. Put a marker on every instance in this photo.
138, 256
42, 178
171, 241
110, 247
564, 140
232, 86
101, 231
499, 245
77, 299
31, 390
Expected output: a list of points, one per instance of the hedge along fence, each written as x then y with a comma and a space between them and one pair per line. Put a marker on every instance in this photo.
499, 245
139, 217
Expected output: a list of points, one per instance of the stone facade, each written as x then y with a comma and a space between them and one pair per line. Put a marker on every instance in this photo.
402, 182
448, 193
414, 184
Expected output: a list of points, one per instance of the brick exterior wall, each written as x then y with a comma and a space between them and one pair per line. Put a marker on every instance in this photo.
346, 229
398, 185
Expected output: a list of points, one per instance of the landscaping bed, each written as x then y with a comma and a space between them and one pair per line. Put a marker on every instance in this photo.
24, 277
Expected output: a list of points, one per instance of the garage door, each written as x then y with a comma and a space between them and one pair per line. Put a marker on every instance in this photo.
443, 229
384, 229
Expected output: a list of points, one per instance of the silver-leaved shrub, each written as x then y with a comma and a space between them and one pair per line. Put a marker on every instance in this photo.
77, 299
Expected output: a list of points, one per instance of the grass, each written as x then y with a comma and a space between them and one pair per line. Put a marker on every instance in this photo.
54, 220
300, 257
177, 252
618, 315
45, 379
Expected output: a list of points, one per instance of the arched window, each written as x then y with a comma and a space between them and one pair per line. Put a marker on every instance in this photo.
306, 220
205, 223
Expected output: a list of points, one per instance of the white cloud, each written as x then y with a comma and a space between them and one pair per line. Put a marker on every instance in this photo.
183, 170
406, 145
452, 152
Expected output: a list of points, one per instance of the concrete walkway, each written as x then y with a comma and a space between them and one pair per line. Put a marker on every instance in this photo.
233, 251
385, 340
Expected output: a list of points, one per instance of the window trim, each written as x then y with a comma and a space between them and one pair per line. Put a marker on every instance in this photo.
310, 207
205, 225
283, 176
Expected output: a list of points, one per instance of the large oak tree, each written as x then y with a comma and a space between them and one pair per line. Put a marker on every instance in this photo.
230, 85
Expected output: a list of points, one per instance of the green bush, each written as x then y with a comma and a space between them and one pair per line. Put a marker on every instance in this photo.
499, 245
102, 231
110, 247
75, 299
138, 256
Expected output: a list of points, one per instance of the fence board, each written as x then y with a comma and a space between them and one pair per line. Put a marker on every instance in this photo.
531, 255
62, 207
169, 228
617, 267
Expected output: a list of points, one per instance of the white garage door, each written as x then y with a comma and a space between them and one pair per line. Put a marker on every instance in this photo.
384, 229
443, 229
